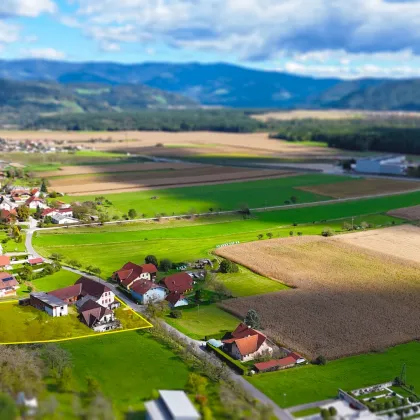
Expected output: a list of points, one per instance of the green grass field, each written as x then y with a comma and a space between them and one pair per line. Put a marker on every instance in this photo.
205, 320
315, 383
230, 196
129, 367
12, 245
97, 246
247, 283
62, 278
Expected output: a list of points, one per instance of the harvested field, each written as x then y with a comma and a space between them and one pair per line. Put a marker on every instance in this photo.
362, 187
123, 167
348, 300
407, 213
136, 181
398, 241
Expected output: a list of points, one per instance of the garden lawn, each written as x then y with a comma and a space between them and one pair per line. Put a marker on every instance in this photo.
128, 366
315, 383
12, 245
230, 196
202, 321
247, 283
25, 323
62, 278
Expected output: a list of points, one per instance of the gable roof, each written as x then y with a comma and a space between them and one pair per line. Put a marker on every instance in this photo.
4, 260
174, 297
92, 287
33, 198
247, 345
46, 212
6, 214
38, 260
67, 292
48, 300
286, 361
7, 280
143, 286
180, 282
91, 312
130, 272
245, 338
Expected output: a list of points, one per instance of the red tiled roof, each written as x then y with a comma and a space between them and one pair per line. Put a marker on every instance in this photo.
4, 260
149, 268
180, 282
46, 212
33, 198
67, 292
7, 280
286, 361
247, 345
242, 330
143, 286
92, 287
5, 214
174, 297
130, 272
36, 260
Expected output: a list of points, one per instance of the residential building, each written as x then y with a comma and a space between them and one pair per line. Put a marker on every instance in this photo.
146, 291
179, 283
176, 300
35, 261
4, 262
28, 403
99, 291
8, 285
131, 272
48, 303
386, 165
7, 204
97, 317
171, 405
7, 216
35, 202
55, 212
246, 343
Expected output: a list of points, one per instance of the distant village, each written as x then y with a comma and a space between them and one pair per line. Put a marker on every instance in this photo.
32, 146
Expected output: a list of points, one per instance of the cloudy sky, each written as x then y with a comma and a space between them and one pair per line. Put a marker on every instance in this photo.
344, 38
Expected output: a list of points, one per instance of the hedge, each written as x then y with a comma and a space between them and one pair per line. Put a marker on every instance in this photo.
234, 364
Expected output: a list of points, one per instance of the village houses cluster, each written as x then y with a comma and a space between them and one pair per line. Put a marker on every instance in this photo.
16, 196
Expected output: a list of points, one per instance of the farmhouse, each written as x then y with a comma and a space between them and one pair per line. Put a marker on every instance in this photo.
131, 272
146, 291
49, 304
245, 343
97, 317
68, 294
7, 204
35, 261
176, 300
8, 285
101, 293
179, 283
171, 405
35, 202
55, 212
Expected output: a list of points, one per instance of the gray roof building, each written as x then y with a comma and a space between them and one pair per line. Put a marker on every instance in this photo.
49, 300
171, 405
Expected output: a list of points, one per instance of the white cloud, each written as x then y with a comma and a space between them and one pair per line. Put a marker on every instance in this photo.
8, 33
70, 21
44, 53
110, 46
265, 26
29, 8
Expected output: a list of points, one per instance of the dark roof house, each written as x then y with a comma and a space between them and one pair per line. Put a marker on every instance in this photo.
179, 283
91, 312
92, 287
131, 272
68, 293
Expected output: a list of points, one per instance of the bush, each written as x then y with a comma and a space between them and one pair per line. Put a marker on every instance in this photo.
234, 364
320, 360
176, 313
327, 232
151, 259
325, 414
227, 266
333, 411
165, 265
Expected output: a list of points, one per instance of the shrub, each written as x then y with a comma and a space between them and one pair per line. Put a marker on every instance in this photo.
320, 360
165, 265
333, 411
151, 259
327, 232
325, 414
227, 266
176, 313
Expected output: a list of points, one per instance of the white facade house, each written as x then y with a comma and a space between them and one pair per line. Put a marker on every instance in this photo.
50, 304
7, 204
35, 202
171, 405
386, 165
106, 298
239, 350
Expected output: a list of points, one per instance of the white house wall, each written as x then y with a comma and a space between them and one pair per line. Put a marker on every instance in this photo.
154, 295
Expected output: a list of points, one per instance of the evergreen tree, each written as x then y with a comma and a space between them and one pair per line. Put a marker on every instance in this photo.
44, 188
252, 319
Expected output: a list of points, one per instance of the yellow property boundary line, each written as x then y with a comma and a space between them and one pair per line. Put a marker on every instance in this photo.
58, 340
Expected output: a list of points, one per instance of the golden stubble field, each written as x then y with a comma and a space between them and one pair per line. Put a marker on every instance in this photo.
346, 299
362, 187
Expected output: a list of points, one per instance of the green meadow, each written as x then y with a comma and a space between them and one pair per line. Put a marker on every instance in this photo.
230, 196
311, 383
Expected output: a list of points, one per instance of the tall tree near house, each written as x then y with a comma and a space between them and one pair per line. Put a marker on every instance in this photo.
44, 188
151, 259
165, 265
23, 213
252, 319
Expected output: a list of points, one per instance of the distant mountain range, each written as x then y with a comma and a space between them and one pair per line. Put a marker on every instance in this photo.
99, 86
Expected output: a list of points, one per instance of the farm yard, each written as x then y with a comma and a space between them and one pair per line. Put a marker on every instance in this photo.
348, 300
313, 383
361, 187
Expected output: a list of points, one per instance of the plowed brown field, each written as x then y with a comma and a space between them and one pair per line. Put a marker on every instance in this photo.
347, 300
361, 187
86, 184
408, 213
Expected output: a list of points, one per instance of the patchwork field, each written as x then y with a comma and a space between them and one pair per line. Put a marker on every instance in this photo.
313, 383
121, 181
399, 241
361, 187
226, 196
348, 300
407, 213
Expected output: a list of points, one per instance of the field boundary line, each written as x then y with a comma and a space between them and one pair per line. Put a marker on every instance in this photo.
9, 301
150, 325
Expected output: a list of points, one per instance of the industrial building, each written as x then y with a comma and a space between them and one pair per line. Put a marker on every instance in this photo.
385, 165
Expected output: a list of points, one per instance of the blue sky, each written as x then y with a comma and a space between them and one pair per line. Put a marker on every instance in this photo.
323, 38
